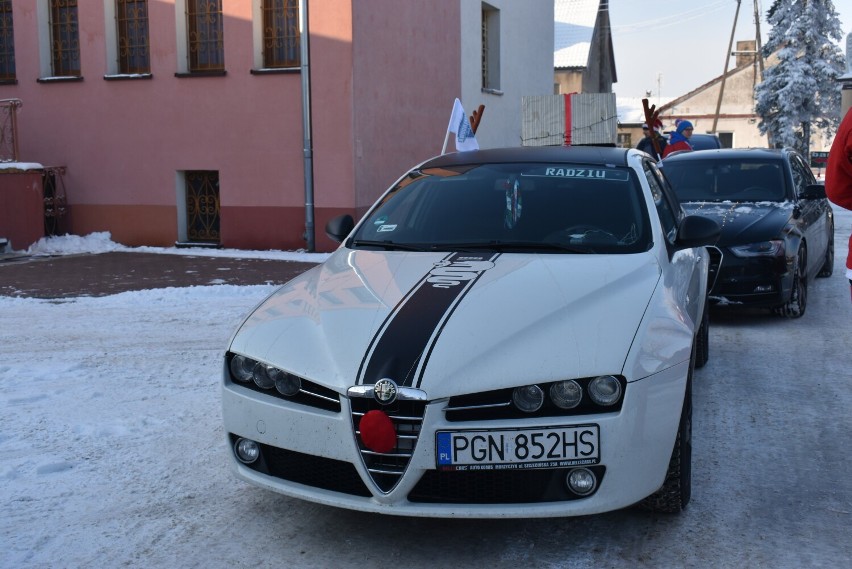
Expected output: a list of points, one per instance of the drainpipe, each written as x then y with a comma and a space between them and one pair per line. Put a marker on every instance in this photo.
307, 146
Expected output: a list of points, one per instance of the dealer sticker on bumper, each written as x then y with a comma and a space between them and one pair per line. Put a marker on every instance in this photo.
518, 448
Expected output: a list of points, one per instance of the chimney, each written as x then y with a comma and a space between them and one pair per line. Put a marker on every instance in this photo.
746, 52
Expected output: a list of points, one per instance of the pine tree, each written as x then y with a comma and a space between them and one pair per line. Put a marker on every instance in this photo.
802, 89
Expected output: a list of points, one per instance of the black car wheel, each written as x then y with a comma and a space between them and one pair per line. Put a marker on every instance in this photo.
828, 264
702, 340
795, 306
677, 488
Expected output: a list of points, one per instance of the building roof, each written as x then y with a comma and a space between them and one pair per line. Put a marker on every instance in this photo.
574, 25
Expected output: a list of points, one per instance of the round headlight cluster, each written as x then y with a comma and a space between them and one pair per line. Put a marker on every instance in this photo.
604, 390
246, 370
528, 398
566, 394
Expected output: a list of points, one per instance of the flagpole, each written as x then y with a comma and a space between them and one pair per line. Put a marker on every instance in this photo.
446, 137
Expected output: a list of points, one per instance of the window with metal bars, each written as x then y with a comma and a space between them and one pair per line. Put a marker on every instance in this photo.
281, 36
490, 48
7, 42
65, 38
134, 54
206, 40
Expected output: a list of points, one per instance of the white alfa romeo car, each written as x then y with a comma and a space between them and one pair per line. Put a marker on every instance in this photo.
506, 333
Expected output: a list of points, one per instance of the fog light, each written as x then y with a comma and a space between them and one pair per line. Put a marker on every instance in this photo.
605, 390
528, 398
246, 450
566, 394
242, 368
287, 383
582, 481
264, 376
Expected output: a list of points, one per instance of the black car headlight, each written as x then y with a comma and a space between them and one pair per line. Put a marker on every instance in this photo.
773, 248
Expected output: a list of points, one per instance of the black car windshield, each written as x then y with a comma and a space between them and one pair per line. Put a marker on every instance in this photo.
735, 180
514, 207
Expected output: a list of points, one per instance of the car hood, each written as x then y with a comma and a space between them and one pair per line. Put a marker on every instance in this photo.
453, 323
744, 222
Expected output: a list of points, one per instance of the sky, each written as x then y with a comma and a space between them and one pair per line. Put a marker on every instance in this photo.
670, 47
113, 454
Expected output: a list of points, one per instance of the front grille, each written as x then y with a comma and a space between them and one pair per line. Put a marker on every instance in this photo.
407, 417
497, 486
310, 470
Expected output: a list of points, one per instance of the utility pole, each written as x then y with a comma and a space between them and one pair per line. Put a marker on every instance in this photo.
727, 62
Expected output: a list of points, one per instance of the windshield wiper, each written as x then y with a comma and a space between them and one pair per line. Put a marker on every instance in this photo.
517, 246
389, 245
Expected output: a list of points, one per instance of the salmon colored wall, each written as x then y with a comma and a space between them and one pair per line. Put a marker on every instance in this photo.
380, 75
403, 96
21, 207
133, 225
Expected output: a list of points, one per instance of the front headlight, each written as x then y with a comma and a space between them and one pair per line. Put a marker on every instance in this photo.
242, 368
529, 398
605, 390
774, 248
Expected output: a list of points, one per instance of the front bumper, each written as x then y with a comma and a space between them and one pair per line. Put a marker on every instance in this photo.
753, 281
313, 455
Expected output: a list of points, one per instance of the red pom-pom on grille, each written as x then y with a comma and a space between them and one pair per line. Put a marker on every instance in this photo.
377, 432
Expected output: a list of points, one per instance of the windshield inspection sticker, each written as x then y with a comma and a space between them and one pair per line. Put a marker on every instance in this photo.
385, 228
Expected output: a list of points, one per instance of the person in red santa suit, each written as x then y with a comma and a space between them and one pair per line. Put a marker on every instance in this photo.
838, 176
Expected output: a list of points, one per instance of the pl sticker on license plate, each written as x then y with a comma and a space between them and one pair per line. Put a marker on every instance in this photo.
518, 448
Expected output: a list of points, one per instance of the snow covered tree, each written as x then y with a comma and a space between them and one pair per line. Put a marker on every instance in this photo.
800, 90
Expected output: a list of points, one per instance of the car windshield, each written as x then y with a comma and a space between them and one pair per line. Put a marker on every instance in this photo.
517, 207
735, 180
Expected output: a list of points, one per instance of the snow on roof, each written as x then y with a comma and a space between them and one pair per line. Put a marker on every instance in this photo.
574, 24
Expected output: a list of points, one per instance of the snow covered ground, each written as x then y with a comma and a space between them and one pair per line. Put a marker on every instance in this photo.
113, 452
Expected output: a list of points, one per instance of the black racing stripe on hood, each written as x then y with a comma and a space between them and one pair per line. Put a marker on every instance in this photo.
413, 327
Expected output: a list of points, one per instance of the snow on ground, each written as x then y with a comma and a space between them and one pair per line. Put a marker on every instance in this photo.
101, 242
113, 453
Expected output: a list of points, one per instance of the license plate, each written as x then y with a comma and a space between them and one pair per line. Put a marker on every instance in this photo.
507, 449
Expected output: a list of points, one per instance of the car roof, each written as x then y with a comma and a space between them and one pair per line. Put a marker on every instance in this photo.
548, 154
729, 154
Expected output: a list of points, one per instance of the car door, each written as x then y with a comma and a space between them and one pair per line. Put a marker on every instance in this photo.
812, 219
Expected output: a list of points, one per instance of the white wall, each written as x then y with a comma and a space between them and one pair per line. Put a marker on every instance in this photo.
526, 65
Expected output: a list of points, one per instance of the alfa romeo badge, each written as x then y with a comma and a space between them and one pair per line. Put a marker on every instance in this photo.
385, 391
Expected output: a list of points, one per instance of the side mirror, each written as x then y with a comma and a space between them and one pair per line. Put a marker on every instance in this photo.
814, 192
339, 227
697, 231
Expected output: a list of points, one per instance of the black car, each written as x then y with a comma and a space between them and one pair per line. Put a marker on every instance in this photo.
705, 141
777, 226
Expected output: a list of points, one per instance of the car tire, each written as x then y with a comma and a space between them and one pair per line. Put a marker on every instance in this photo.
798, 301
702, 339
828, 265
676, 491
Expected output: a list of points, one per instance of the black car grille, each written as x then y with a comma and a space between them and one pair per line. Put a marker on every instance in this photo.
310, 470
497, 486
407, 417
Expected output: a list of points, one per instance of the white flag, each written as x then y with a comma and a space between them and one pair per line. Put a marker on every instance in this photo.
460, 127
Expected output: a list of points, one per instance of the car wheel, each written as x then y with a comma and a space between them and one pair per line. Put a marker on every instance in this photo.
795, 306
828, 264
677, 488
702, 340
